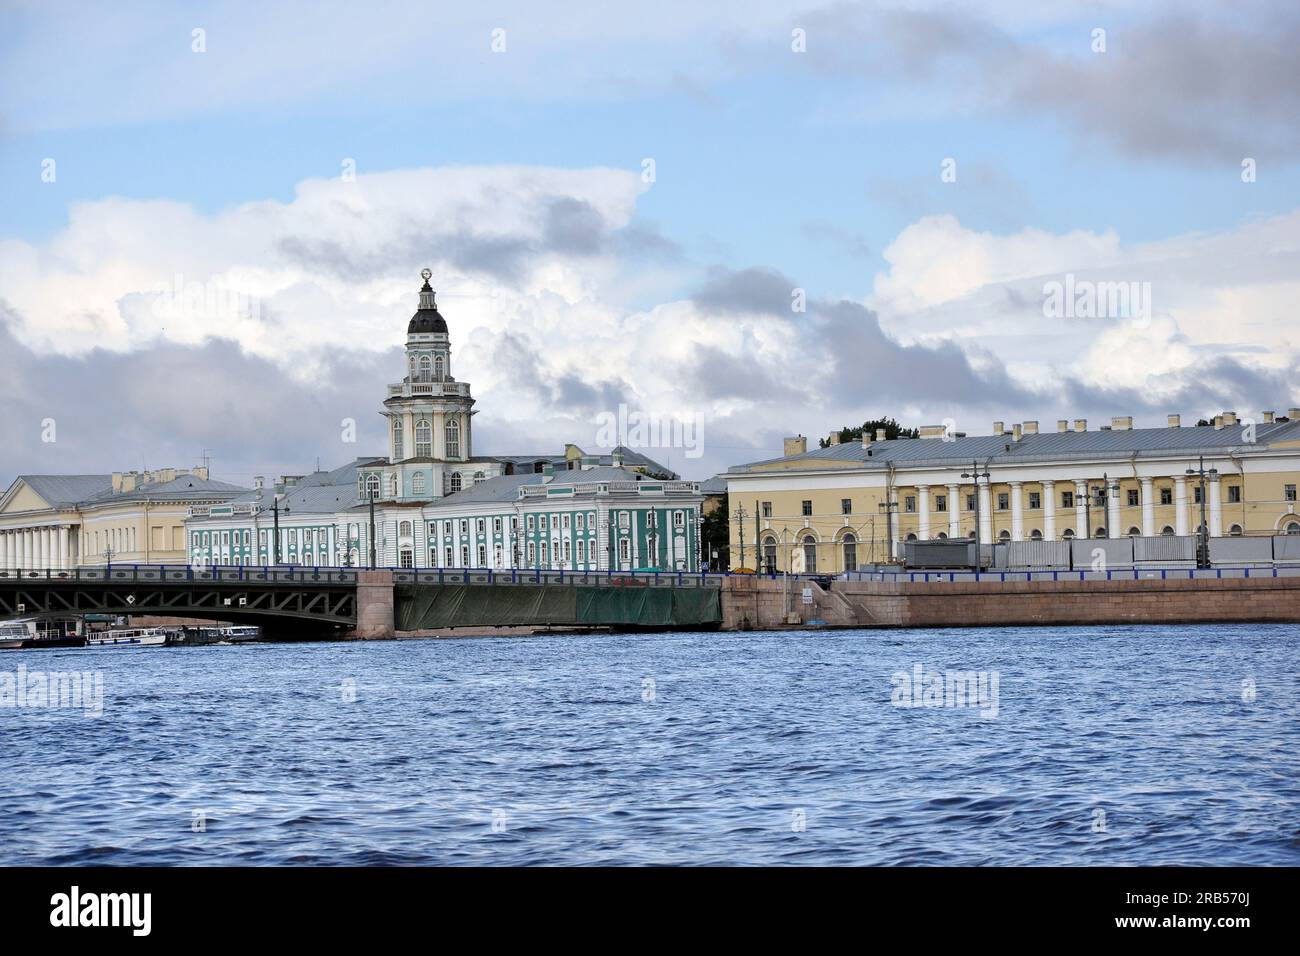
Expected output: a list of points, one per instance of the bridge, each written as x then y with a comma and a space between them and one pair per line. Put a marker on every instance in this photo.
368, 603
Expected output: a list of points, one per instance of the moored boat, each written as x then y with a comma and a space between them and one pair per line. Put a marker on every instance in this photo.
127, 637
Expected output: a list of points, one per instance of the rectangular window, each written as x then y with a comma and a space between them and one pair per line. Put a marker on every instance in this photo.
1035, 501
448, 553
496, 525
541, 523
564, 522
407, 559
1196, 495
909, 504
1004, 501
1289, 492
1234, 494
1133, 498
1166, 496
530, 527
767, 509
482, 526
846, 506
577, 520
940, 502
970, 502
1067, 499
807, 508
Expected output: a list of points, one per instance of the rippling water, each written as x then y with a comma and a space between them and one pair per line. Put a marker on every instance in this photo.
1121, 745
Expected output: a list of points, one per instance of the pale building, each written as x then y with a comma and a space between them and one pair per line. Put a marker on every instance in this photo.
61, 522
835, 508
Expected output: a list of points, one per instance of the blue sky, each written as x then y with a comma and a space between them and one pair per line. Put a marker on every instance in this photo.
821, 168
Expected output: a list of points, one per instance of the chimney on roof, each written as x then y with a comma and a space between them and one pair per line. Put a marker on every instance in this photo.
1062, 424
1015, 432
866, 438
117, 482
165, 475
1121, 423
129, 481
797, 445
200, 471
1218, 422
1174, 421
1081, 424
833, 438
880, 434
1229, 418
932, 431
1268, 418
1031, 428
1293, 413
997, 428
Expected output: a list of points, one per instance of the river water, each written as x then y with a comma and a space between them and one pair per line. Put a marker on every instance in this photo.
1106, 745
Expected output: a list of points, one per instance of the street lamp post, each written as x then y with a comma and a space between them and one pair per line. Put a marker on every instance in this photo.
374, 493
740, 517
1203, 532
975, 475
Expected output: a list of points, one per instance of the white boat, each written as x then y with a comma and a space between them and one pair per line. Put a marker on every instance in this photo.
128, 637
13, 633
236, 634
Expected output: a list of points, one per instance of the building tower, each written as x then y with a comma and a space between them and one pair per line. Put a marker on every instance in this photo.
429, 416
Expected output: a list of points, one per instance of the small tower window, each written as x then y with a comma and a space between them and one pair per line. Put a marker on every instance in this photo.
423, 438
425, 368
398, 454
438, 367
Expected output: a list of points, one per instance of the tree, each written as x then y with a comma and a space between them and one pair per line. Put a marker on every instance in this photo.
892, 430
715, 534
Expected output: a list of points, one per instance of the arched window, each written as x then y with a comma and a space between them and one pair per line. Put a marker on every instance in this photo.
1068, 534
1101, 533
425, 368
1135, 532
943, 535
437, 367
398, 453
1293, 528
423, 439
911, 537
809, 554
392, 486
372, 486
769, 554
404, 529
454, 484
1035, 535
453, 438
1004, 535
850, 552
1235, 530
1167, 531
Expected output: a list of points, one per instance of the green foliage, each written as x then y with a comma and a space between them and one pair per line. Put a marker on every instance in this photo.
892, 430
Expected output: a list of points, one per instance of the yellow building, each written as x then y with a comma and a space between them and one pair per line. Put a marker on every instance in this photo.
846, 505
65, 521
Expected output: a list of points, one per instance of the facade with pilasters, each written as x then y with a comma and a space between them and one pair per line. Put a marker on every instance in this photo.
436, 504
835, 508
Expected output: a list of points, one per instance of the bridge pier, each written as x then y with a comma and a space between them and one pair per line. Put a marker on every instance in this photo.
375, 619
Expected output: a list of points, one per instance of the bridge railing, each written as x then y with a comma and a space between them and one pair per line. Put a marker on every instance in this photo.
299, 574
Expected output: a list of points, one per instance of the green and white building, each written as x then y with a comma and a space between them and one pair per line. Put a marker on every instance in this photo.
437, 505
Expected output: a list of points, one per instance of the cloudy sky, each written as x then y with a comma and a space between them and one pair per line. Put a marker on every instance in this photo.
213, 217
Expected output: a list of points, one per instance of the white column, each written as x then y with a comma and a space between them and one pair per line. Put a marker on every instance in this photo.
986, 510
1180, 505
1113, 529
1216, 508
1081, 529
1148, 508
954, 511
60, 547
923, 505
4, 551
1017, 512
894, 549
45, 547
1049, 510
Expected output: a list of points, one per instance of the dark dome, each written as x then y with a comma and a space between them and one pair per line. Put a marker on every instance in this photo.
428, 319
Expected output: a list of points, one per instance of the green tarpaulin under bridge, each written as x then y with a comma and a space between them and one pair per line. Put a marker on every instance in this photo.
429, 607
